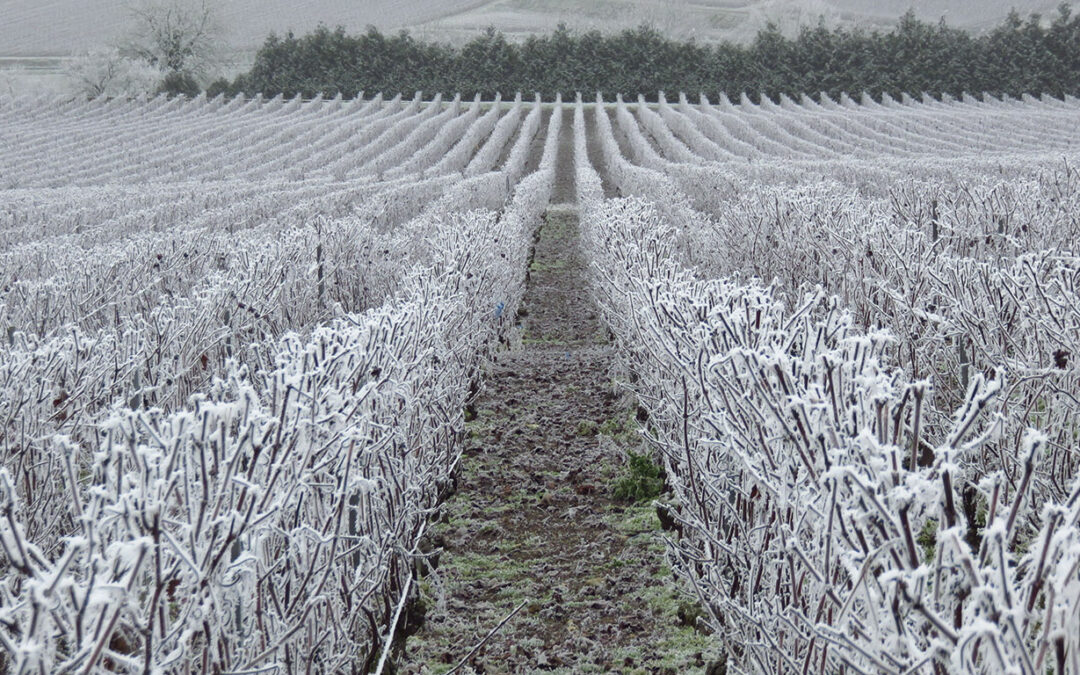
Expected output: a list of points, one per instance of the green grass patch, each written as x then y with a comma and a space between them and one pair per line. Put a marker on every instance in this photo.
642, 481
587, 428
550, 266
623, 429
928, 539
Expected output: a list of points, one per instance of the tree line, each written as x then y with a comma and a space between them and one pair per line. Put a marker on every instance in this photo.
1018, 56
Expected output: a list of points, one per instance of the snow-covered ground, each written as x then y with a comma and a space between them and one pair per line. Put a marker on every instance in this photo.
20, 75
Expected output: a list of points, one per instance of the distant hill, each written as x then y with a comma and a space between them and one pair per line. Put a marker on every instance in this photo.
63, 27
715, 20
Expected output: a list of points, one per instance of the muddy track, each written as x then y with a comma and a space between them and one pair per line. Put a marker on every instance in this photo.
534, 523
620, 134
536, 150
564, 191
596, 154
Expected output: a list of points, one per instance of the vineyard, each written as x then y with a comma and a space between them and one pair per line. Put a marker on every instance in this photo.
853, 335
241, 337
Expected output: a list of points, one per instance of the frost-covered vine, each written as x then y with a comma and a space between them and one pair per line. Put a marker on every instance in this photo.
863, 392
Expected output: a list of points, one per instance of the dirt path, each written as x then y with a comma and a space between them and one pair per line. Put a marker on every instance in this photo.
536, 149
534, 520
596, 155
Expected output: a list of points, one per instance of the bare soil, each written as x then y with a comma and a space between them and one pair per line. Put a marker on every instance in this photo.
596, 155
620, 136
534, 521
536, 150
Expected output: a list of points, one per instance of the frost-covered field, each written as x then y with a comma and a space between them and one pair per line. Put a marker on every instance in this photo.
239, 336
855, 329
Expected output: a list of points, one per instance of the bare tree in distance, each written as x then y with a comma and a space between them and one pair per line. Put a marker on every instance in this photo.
181, 37
110, 73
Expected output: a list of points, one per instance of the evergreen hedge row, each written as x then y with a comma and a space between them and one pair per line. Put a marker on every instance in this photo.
1019, 56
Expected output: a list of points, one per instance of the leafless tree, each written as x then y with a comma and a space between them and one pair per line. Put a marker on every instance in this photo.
111, 74
176, 36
